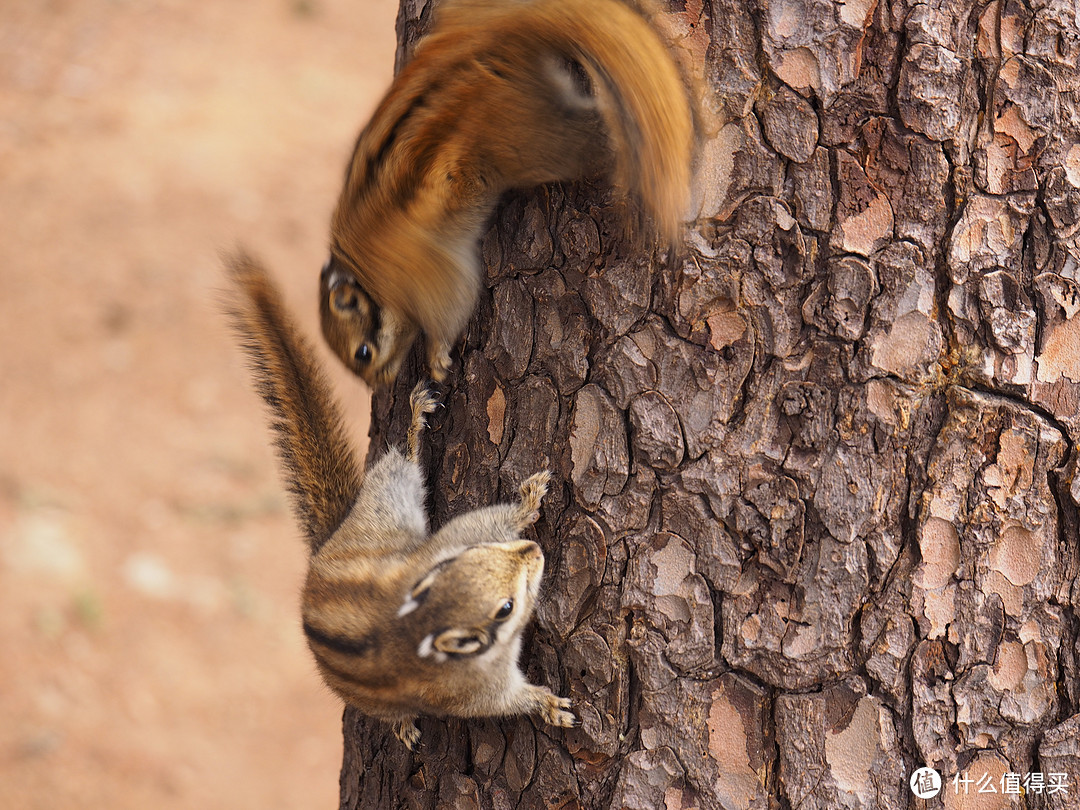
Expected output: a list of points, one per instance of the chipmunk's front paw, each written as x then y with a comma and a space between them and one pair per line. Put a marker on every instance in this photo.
439, 362
555, 710
532, 491
408, 732
422, 400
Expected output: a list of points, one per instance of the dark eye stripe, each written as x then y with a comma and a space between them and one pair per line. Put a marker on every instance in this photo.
426, 580
421, 595
375, 313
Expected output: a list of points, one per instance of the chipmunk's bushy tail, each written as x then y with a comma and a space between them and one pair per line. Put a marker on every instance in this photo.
642, 98
319, 465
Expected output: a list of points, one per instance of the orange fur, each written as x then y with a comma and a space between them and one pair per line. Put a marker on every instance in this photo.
401, 621
496, 98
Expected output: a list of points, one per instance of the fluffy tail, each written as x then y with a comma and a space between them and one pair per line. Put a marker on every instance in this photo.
642, 98
320, 469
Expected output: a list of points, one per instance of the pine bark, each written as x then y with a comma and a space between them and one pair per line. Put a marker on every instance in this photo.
814, 518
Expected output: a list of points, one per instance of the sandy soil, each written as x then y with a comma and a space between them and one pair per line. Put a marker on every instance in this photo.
149, 569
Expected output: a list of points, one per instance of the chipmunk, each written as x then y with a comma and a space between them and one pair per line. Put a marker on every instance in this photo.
401, 621
500, 95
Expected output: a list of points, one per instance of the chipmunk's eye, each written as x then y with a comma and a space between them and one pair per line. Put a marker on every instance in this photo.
363, 354
504, 612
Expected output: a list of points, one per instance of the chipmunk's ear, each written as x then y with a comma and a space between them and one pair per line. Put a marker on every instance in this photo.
418, 594
344, 293
461, 642
341, 289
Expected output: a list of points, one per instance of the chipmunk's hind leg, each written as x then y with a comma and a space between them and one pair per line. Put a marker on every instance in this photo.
532, 491
407, 731
422, 402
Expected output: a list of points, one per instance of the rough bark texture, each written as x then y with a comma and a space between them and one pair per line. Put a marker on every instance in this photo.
814, 521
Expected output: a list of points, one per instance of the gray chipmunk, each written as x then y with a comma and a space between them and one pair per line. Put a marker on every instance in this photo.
401, 621
500, 95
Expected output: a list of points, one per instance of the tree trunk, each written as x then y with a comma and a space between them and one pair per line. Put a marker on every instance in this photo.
814, 514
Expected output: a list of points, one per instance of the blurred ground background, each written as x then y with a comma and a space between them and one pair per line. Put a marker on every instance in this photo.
150, 649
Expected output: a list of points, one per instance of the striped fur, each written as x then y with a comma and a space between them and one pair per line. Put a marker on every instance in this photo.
401, 621
501, 95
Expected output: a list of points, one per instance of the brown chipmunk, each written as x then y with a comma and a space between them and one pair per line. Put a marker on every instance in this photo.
500, 95
402, 622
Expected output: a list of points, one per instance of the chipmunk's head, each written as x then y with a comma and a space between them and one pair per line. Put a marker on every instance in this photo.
370, 340
476, 601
